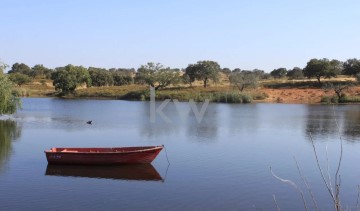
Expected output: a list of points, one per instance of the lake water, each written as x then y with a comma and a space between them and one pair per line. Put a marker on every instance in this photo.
221, 163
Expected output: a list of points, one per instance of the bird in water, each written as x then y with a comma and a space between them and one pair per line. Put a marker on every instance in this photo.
89, 122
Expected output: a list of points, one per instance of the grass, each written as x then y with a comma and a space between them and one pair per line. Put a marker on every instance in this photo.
334, 99
198, 94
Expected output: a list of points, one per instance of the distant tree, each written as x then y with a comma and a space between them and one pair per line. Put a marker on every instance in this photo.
279, 73
66, 79
351, 67
295, 73
100, 77
19, 78
40, 71
357, 76
243, 80
129, 71
20, 68
190, 74
261, 74
157, 76
204, 70
82, 74
187, 80
319, 68
122, 77
8, 101
226, 71
336, 67
236, 70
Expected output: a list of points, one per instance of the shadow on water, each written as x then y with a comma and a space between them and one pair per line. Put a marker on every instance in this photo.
141, 172
9, 131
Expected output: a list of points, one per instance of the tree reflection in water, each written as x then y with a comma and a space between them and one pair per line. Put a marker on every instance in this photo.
321, 122
351, 125
9, 131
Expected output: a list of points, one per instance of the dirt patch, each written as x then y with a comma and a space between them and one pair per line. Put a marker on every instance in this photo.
308, 96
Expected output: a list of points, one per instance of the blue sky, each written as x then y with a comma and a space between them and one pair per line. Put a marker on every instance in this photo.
244, 34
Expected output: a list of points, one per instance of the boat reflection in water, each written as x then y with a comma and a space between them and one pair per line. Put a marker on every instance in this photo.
140, 172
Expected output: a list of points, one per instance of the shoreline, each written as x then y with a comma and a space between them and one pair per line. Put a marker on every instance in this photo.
183, 101
283, 92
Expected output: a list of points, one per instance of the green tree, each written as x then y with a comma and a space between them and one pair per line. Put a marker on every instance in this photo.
190, 74
66, 79
295, 73
357, 76
121, 77
19, 78
204, 71
20, 68
351, 67
82, 74
8, 101
226, 71
157, 76
336, 67
279, 73
100, 77
319, 68
244, 79
40, 71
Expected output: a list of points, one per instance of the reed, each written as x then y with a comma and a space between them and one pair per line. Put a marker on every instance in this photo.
332, 188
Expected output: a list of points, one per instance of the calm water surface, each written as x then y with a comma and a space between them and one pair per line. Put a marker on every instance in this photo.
221, 163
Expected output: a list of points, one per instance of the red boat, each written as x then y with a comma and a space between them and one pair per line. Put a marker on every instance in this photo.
102, 156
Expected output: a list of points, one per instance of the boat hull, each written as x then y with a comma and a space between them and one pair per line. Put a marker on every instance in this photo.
102, 156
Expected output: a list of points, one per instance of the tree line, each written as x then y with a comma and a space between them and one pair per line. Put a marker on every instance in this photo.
66, 79
321, 68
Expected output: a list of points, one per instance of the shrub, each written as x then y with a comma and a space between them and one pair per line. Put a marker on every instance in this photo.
231, 97
358, 77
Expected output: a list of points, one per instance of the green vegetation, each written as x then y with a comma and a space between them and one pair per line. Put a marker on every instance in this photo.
66, 79
279, 73
20, 68
218, 83
8, 101
244, 80
295, 73
204, 71
352, 67
157, 76
322, 68
19, 78
343, 99
190, 93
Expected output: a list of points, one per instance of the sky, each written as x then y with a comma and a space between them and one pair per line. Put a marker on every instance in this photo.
245, 34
